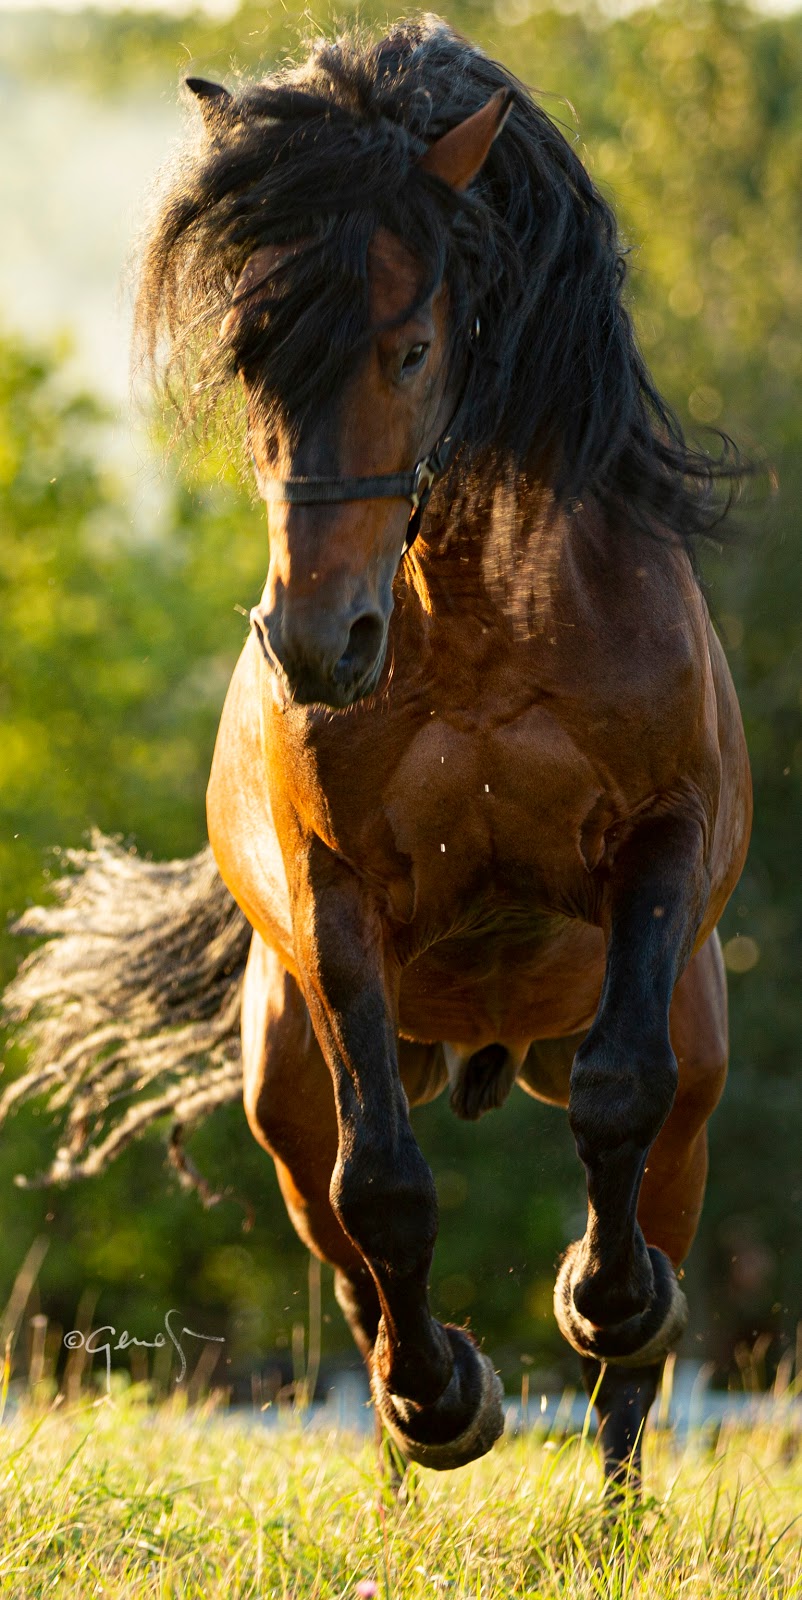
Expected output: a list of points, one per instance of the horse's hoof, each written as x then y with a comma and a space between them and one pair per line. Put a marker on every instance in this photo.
640, 1341
461, 1425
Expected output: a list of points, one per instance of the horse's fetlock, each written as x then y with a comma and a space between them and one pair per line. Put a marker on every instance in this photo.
457, 1425
419, 1371
616, 1292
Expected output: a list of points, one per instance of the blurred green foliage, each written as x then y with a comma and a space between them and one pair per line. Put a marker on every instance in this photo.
119, 633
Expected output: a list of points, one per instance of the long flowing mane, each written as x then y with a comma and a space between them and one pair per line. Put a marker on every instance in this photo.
324, 153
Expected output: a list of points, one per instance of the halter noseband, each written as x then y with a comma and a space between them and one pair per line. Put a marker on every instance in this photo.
415, 486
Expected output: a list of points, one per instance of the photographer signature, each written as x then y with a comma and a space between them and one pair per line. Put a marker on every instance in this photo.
91, 1342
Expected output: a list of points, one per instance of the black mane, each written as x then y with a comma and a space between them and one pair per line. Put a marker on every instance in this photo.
327, 152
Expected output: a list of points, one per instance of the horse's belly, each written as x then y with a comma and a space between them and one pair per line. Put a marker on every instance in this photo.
493, 988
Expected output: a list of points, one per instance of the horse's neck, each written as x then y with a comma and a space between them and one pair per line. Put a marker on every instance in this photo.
502, 564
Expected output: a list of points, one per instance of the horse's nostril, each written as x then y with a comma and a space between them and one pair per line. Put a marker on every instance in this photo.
364, 643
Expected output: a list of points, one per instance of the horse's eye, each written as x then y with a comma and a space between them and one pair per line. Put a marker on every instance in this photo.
414, 358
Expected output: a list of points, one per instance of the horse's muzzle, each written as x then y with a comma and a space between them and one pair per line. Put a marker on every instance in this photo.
333, 664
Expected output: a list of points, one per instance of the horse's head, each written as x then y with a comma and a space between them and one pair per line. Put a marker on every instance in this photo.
336, 540
318, 226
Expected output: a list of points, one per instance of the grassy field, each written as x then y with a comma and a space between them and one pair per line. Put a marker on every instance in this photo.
121, 1498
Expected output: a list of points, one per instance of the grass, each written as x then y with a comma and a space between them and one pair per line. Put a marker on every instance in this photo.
123, 1498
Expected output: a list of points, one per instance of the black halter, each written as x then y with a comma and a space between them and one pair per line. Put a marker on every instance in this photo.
415, 486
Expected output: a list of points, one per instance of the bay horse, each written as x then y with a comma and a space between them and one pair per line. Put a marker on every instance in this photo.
480, 786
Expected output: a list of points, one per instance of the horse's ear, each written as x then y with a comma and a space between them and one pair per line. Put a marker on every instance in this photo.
214, 99
460, 154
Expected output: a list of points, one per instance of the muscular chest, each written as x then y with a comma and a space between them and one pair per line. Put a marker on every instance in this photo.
461, 822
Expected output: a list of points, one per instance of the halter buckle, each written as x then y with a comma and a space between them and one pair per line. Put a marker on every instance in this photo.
422, 479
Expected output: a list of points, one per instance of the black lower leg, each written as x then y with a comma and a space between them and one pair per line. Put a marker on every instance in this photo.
438, 1394
616, 1300
623, 1397
624, 1076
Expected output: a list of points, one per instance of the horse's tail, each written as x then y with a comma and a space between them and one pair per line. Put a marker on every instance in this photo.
131, 1007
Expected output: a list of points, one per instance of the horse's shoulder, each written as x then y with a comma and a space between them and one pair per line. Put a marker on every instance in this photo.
639, 621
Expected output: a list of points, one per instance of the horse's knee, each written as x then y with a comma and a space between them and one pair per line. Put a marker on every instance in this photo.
621, 1092
386, 1200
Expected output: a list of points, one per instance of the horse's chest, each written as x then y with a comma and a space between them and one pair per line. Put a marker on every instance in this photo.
470, 822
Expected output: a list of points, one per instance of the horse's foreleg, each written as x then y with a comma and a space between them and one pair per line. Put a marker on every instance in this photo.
289, 1103
437, 1394
616, 1299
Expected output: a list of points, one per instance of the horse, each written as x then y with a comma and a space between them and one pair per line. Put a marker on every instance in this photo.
480, 789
